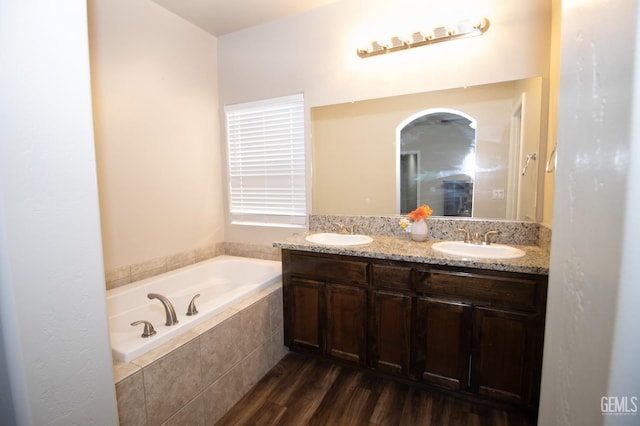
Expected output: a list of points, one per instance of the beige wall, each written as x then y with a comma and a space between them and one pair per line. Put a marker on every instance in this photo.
154, 84
314, 53
552, 134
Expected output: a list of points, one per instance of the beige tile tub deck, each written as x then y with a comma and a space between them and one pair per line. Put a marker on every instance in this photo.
197, 376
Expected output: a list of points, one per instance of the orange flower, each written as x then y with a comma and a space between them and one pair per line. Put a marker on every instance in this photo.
420, 213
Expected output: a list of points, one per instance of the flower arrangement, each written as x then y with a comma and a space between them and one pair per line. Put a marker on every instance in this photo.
418, 214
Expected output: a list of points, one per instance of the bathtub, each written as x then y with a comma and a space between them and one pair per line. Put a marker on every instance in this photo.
221, 282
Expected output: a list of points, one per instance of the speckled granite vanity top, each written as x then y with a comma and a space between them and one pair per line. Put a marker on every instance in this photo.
535, 261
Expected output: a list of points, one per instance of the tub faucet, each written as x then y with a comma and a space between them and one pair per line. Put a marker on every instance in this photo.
168, 308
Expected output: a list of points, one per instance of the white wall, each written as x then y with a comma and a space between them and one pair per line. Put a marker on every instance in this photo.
315, 53
53, 310
155, 98
593, 259
625, 377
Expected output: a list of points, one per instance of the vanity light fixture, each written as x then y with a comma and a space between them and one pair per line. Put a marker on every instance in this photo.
462, 29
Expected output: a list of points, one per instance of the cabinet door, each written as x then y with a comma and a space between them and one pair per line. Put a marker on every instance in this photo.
504, 352
443, 342
390, 331
303, 315
346, 326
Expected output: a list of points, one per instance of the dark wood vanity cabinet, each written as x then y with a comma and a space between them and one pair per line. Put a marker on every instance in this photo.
303, 315
346, 322
390, 332
494, 322
504, 355
390, 316
326, 306
473, 332
443, 342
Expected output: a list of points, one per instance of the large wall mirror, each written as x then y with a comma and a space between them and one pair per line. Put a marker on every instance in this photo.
471, 152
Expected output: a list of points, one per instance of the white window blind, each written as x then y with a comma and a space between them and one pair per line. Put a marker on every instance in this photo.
266, 161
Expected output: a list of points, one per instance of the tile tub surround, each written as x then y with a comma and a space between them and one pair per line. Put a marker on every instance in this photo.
256, 251
130, 273
123, 275
196, 377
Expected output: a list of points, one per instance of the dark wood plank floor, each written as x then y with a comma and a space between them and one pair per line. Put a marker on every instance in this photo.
303, 390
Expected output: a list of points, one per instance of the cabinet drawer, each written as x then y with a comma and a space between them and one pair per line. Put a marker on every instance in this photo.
325, 269
393, 277
498, 291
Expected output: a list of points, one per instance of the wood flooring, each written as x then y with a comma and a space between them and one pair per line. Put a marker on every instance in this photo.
303, 390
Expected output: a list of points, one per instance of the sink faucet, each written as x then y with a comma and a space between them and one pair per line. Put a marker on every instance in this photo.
344, 229
168, 308
486, 241
354, 228
340, 228
477, 238
467, 236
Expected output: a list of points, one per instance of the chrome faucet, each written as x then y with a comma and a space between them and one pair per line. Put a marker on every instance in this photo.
168, 308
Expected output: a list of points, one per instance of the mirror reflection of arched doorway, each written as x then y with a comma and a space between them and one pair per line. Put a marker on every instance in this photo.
437, 162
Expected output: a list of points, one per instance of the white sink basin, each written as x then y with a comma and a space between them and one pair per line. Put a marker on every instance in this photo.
332, 239
492, 251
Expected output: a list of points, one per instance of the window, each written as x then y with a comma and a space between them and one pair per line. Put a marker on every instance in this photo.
266, 161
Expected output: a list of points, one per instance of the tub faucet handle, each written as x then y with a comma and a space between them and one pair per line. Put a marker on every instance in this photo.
168, 308
148, 328
191, 310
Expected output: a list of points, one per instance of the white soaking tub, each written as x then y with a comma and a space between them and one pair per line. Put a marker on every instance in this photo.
221, 282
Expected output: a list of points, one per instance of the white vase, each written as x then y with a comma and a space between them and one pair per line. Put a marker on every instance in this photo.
419, 230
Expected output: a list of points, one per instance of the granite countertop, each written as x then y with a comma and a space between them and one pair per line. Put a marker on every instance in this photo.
535, 261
